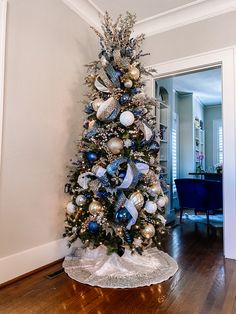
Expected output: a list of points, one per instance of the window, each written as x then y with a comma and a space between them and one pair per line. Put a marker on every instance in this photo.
217, 142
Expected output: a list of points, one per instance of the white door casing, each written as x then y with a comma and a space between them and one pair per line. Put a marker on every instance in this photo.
226, 58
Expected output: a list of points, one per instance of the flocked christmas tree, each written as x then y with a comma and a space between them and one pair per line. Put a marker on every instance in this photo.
117, 198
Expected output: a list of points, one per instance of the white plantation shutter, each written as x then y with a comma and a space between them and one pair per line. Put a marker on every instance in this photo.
217, 142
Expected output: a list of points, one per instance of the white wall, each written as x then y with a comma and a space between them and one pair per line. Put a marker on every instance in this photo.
47, 46
210, 34
211, 113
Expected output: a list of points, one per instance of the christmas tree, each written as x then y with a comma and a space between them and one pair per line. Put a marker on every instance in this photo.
117, 198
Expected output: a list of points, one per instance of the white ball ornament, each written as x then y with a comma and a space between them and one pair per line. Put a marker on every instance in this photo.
70, 208
80, 200
161, 202
127, 118
128, 83
150, 207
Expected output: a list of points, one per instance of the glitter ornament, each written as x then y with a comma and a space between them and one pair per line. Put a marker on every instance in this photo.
150, 207
95, 207
148, 231
137, 199
127, 118
70, 208
134, 73
80, 200
115, 145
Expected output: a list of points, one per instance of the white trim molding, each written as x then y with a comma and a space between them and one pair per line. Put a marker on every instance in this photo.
3, 16
189, 13
23, 262
226, 59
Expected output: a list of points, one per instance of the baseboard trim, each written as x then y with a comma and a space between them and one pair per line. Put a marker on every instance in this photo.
23, 263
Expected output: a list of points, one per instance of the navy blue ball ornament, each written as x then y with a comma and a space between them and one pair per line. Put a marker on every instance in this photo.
122, 215
135, 91
124, 99
91, 156
93, 227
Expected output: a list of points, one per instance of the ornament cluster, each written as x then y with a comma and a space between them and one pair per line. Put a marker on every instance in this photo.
117, 197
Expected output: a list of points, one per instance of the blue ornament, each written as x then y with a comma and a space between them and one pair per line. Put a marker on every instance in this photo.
135, 91
118, 73
102, 194
122, 174
93, 227
122, 215
91, 156
124, 99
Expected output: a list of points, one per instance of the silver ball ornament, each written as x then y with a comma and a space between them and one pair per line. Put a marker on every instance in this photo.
134, 73
115, 145
70, 208
80, 200
97, 103
156, 188
95, 207
150, 207
148, 231
127, 118
161, 202
137, 199
128, 83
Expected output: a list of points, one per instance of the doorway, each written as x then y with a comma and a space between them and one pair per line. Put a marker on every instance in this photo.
226, 59
191, 138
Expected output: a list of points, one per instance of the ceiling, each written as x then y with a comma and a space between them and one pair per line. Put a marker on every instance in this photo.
143, 9
206, 85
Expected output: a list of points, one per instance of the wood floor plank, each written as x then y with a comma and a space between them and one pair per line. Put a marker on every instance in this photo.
205, 283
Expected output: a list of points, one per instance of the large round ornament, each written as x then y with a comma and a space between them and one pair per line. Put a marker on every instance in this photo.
134, 73
155, 188
80, 200
137, 199
97, 103
148, 231
128, 83
108, 110
70, 208
124, 99
122, 215
115, 145
91, 156
150, 207
93, 227
161, 202
127, 118
95, 207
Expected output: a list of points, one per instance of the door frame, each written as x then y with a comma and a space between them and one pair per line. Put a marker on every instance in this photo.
226, 59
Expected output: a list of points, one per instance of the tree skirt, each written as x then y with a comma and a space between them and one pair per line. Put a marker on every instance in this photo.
96, 268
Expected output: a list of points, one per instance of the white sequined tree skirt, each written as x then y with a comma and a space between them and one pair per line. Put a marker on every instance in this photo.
96, 268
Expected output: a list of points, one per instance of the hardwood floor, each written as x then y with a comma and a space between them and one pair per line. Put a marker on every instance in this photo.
205, 283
